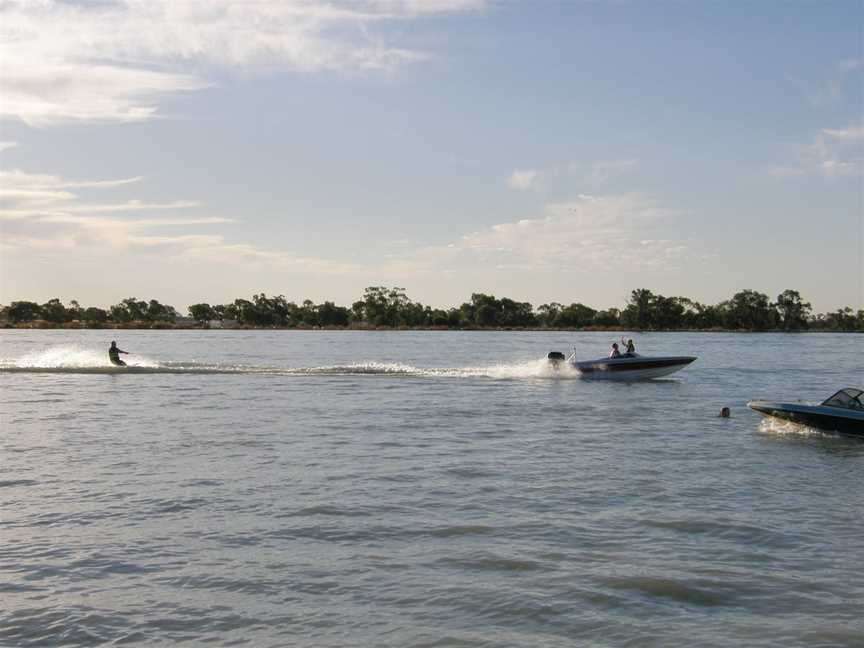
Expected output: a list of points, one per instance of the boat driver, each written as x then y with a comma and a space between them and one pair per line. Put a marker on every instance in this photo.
631, 348
615, 353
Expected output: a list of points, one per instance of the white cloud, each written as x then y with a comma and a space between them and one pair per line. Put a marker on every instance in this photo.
588, 234
834, 168
833, 152
21, 193
562, 177
854, 132
184, 241
130, 224
60, 229
603, 171
23, 180
18, 200
134, 205
243, 254
41, 94
41, 216
32, 201
838, 152
11, 243
111, 62
526, 180
587, 231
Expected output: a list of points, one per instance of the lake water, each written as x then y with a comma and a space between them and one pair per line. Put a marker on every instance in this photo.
408, 489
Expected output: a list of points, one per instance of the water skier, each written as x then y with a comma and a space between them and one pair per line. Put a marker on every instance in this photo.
114, 355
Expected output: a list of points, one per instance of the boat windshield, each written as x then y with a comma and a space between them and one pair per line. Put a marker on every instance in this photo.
847, 399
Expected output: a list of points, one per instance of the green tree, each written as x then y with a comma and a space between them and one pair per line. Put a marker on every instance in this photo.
576, 316
376, 306
119, 313
224, 311
74, 311
264, 310
843, 319
242, 310
202, 313
382, 306
639, 312
23, 311
54, 311
697, 316
486, 311
668, 313
358, 311
486, 315
454, 318
793, 311
329, 314
94, 315
307, 313
157, 312
748, 309
547, 314
129, 310
609, 317
513, 313
439, 317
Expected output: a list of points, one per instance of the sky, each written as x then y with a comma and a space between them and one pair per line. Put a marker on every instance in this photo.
562, 151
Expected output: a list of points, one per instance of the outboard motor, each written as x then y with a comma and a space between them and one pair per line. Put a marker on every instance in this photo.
556, 358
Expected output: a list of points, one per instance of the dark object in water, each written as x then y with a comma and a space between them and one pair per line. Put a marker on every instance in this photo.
724, 412
556, 356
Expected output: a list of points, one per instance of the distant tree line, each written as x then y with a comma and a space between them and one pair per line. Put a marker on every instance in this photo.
53, 311
383, 307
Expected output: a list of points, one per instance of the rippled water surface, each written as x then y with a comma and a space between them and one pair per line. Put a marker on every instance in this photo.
410, 489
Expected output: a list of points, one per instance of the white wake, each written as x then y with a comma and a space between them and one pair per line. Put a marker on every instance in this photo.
76, 359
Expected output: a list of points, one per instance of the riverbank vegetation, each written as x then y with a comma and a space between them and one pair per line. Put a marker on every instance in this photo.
390, 308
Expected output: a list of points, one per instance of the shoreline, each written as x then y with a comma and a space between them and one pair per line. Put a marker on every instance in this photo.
173, 326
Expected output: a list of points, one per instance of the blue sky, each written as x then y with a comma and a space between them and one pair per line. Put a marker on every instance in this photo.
566, 151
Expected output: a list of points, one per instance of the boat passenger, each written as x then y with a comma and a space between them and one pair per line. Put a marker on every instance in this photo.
114, 355
615, 353
631, 348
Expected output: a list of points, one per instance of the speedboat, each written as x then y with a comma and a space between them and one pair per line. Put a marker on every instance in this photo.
627, 366
843, 412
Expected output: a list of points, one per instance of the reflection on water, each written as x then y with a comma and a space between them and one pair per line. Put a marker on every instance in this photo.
833, 442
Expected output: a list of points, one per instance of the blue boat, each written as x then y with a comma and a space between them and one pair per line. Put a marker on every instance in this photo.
843, 412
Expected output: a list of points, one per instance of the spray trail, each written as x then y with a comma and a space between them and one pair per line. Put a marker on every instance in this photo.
71, 360
71, 357
773, 426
